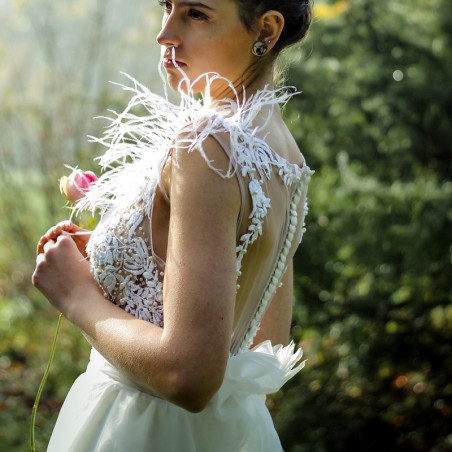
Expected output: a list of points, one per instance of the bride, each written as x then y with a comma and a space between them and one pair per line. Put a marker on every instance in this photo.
184, 289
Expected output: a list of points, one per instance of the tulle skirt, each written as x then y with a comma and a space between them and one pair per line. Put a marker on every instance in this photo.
107, 412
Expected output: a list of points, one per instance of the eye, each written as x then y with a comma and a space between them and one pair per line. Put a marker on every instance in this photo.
197, 15
165, 5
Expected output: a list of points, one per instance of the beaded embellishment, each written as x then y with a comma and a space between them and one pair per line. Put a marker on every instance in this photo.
123, 265
120, 249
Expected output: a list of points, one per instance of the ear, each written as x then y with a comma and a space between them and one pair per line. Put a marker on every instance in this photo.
270, 27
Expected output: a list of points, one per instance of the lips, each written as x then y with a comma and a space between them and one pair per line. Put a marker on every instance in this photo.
168, 62
169, 59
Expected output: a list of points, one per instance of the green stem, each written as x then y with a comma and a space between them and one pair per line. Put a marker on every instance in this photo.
41, 386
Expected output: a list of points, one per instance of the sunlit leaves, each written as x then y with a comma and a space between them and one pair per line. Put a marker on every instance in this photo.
374, 269
327, 11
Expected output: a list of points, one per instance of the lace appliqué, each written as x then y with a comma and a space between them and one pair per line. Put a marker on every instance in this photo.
261, 153
123, 265
281, 264
122, 259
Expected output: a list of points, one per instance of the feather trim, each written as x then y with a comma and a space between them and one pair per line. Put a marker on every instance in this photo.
137, 142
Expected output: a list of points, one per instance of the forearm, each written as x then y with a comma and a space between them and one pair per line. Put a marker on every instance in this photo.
138, 348
144, 352
63, 276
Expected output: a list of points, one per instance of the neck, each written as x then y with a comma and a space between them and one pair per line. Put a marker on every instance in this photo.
247, 86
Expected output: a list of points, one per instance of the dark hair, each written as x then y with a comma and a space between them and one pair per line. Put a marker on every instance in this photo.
297, 18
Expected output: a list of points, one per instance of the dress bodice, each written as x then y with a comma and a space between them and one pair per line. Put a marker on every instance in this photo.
124, 265
273, 207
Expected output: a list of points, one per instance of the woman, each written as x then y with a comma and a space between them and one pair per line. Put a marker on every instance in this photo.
200, 220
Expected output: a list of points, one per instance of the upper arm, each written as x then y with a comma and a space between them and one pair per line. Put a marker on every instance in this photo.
200, 273
276, 322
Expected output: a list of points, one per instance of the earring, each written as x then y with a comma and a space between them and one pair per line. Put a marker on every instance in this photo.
260, 47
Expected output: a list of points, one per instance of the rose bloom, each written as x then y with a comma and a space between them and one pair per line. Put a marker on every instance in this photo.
75, 186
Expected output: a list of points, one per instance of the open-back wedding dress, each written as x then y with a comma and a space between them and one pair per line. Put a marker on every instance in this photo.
107, 411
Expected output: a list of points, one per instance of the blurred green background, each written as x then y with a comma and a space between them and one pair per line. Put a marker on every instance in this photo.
373, 276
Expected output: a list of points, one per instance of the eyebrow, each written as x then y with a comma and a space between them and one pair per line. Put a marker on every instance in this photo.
196, 5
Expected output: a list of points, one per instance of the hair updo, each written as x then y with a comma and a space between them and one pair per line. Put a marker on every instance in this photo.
297, 18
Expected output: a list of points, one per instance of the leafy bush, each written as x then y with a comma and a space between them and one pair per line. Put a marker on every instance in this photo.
374, 305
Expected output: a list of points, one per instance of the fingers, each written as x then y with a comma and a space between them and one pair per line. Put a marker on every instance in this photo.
54, 232
40, 258
47, 245
41, 243
41, 255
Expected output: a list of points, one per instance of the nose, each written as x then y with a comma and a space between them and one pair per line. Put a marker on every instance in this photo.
169, 35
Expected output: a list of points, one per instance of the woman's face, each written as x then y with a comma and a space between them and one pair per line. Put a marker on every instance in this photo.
205, 36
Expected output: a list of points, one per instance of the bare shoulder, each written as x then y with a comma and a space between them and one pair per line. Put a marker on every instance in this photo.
198, 176
280, 139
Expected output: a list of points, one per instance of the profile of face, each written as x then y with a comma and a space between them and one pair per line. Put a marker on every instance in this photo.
198, 37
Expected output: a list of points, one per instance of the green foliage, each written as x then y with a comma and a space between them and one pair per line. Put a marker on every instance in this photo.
374, 302
27, 322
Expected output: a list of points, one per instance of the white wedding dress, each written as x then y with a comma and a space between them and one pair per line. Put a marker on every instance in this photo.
105, 411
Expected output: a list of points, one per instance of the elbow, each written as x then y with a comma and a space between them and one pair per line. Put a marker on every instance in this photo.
194, 393
195, 405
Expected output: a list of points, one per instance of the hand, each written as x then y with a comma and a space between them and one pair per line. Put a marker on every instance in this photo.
79, 235
62, 273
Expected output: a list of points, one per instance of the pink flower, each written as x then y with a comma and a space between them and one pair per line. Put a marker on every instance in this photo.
75, 186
